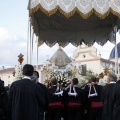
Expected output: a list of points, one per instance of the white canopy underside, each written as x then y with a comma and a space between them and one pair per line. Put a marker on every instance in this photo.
73, 21
84, 6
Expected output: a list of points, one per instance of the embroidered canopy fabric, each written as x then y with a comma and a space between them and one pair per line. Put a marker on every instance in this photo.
74, 21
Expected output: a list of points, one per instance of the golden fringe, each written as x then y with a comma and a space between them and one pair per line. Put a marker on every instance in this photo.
115, 13
85, 16
102, 16
67, 15
40, 42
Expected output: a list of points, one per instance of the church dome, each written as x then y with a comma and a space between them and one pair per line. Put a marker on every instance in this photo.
112, 54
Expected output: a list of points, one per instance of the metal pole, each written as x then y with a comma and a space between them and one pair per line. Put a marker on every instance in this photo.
118, 61
32, 47
30, 43
28, 40
116, 54
37, 54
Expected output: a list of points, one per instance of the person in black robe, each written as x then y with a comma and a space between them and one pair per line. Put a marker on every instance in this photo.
116, 101
26, 99
3, 101
73, 101
35, 79
107, 97
55, 101
94, 99
86, 102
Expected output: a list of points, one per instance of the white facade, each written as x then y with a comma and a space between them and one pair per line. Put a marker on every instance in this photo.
88, 56
7, 76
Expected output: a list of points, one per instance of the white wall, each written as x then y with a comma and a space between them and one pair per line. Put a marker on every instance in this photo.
95, 66
7, 77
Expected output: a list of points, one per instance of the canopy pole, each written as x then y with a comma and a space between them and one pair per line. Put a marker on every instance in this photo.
30, 43
37, 53
28, 39
32, 47
118, 62
116, 53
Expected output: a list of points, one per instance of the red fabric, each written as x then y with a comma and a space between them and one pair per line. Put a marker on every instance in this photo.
56, 104
96, 104
73, 104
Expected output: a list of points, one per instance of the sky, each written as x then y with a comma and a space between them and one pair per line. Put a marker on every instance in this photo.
13, 36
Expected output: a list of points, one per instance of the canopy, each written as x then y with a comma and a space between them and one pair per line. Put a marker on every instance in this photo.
74, 21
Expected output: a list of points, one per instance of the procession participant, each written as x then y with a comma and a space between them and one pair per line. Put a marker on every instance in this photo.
107, 97
35, 78
73, 101
94, 97
3, 100
26, 99
116, 101
55, 101
86, 103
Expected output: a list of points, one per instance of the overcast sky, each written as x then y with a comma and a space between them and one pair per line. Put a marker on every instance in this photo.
13, 36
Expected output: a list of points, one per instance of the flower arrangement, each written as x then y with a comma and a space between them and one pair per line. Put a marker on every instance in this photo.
62, 78
64, 82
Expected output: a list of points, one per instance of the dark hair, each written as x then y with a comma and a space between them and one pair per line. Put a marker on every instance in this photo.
75, 81
54, 81
1, 83
93, 79
28, 70
37, 73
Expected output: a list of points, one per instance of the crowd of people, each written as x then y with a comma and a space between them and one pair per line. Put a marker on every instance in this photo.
27, 99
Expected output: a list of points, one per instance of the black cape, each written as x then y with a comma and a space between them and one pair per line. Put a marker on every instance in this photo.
116, 101
26, 101
107, 101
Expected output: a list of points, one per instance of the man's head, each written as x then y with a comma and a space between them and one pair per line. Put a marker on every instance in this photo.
37, 73
53, 81
35, 76
112, 78
74, 81
93, 79
28, 70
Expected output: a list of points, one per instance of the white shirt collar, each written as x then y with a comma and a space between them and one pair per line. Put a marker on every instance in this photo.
26, 77
112, 82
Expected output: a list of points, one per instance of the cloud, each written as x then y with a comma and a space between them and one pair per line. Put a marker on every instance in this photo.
10, 47
104, 50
